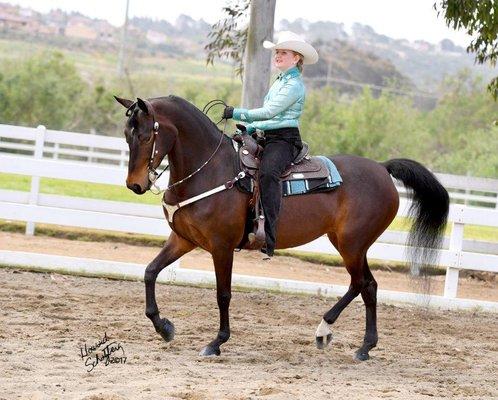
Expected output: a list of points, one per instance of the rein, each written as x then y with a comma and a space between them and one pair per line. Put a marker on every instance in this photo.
154, 175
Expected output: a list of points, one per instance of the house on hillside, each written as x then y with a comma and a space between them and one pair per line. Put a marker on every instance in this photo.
156, 37
78, 29
13, 22
42, 28
105, 31
85, 28
57, 20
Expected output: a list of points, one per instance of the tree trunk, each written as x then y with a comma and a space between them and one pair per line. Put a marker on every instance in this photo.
257, 62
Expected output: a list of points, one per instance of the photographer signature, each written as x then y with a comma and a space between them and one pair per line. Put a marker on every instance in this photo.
102, 352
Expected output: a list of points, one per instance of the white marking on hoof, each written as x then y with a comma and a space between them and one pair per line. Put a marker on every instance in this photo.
323, 329
323, 335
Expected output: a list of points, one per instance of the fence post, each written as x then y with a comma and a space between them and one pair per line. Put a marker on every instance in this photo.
91, 149
452, 272
35, 180
55, 154
123, 158
467, 191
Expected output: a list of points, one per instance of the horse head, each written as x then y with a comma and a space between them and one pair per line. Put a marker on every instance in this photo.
150, 138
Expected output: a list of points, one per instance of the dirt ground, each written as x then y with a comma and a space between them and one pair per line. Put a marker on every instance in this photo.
47, 319
248, 263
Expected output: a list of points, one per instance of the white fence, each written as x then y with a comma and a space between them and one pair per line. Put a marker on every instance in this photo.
47, 157
111, 151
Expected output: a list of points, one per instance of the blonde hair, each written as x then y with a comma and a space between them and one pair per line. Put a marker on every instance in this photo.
299, 64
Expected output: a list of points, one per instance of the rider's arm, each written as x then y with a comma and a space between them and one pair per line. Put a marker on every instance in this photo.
288, 94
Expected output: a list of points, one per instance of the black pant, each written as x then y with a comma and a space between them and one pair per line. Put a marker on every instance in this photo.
280, 148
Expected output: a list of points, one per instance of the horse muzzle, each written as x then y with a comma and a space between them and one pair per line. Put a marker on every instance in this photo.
136, 188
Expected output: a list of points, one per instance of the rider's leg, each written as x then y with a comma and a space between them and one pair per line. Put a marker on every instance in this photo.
277, 156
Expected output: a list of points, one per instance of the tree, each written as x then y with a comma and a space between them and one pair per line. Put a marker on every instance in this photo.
47, 89
257, 62
228, 39
243, 45
479, 18
44, 89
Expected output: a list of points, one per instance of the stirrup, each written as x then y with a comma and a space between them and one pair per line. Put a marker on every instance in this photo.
257, 238
266, 256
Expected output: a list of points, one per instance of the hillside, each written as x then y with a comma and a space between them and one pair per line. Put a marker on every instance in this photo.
423, 63
348, 61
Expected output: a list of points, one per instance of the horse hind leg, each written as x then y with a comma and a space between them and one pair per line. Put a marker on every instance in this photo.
354, 264
362, 282
369, 295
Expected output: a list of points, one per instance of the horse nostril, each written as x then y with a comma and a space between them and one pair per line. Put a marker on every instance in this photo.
135, 187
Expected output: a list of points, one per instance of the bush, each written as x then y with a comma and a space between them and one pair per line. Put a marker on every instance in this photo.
457, 136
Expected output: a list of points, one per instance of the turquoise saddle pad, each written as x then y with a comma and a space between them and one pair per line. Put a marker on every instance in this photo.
303, 186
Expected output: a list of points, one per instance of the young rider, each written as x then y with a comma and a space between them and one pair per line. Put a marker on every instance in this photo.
279, 120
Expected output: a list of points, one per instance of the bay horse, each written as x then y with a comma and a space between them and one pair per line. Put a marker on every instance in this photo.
353, 216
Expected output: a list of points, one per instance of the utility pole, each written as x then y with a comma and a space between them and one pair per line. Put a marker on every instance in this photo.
122, 49
257, 60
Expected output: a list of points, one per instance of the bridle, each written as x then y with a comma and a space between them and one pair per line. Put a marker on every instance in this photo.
153, 175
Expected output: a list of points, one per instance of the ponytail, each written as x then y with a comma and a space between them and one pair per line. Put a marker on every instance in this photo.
299, 64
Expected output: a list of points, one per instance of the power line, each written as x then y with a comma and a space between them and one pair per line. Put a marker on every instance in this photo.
372, 86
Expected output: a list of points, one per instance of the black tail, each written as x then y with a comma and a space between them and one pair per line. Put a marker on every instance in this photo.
429, 209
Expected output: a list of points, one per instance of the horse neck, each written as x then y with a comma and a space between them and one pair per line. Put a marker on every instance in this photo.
197, 141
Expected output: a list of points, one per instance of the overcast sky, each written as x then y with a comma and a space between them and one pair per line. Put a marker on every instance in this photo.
409, 19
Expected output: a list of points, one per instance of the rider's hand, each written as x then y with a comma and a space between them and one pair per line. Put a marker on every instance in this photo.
241, 128
228, 112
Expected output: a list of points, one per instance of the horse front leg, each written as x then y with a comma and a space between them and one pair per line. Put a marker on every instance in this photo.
223, 262
173, 249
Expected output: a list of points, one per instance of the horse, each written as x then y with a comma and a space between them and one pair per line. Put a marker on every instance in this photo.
205, 210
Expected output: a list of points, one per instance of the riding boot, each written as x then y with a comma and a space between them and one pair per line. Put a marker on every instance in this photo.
278, 154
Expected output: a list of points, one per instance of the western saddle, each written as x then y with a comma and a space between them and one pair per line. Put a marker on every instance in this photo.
303, 167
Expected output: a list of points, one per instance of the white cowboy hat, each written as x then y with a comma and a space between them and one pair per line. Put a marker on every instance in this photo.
290, 41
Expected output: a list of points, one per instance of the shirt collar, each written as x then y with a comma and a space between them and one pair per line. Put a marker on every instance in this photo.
291, 72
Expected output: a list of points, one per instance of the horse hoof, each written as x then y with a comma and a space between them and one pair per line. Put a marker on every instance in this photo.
361, 356
323, 341
209, 351
323, 335
166, 329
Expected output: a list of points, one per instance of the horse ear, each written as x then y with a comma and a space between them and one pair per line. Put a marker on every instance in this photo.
124, 102
143, 105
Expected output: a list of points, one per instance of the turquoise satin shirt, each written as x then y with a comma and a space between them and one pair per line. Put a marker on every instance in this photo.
282, 105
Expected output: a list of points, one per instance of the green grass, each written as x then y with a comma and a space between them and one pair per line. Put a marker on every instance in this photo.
117, 193
471, 232
77, 189
103, 64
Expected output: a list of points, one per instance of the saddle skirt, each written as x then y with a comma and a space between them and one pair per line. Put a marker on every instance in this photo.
303, 166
